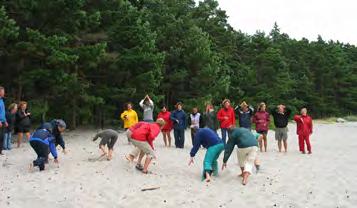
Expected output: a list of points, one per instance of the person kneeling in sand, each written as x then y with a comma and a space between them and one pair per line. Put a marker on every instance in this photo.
214, 145
109, 138
142, 136
247, 148
43, 142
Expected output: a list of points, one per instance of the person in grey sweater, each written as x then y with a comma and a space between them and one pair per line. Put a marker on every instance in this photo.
109, 137
148, 106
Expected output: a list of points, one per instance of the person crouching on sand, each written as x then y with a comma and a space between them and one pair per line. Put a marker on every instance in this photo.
214, 145
247, 148
142, 138
43, 142
109, 138
304, 130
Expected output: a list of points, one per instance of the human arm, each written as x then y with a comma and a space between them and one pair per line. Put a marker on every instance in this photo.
228, 149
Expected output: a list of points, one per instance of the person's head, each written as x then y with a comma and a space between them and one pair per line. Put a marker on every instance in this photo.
209, 108
303, 111
194, 110
281, 108
2, 91
226, 103
13, 108
129, 106
61, 125
23, 105
179, 106
164, 108
262, 106
47, 126
244, 106
161, 122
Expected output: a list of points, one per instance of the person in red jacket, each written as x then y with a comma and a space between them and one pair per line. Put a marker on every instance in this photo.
304, 130
261, 120
227, 119
142, 137
165, 114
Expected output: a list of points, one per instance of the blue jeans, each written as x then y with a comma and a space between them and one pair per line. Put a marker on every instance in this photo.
7, 141
179, 135
224, 135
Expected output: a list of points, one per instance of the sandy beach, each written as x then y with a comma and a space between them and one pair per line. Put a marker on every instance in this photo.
327, 178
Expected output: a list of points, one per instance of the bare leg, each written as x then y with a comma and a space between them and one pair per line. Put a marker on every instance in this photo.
279, 145
110, 154
286, 145
245, 178
102, 147
28, 136
265, 142
208, 177
261, 145
146, 164
19, 139
242, 171
169, 138
165, 139
141, 155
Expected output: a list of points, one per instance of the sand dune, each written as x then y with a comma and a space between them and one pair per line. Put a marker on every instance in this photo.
327, 178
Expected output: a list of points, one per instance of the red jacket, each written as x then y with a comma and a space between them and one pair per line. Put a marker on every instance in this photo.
145, 132
230, 114
304, 125
168, 121
261, 120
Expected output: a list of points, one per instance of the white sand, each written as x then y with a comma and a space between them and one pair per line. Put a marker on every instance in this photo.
327, 178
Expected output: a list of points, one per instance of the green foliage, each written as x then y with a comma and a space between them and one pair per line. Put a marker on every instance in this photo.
82, 60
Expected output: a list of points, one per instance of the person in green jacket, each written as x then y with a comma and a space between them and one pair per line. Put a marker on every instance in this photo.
247, 148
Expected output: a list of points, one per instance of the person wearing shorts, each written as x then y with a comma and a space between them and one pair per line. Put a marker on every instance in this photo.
281, 116
109, 138
142, 136
23, 122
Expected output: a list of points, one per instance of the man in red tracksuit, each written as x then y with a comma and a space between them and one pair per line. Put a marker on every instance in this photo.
227, 118
304, 130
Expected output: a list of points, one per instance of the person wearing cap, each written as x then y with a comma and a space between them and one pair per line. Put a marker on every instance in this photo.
281, 116
208, 139
261, 120
179, 118
42, 142
304, 130
142, 137
58, 127
227, 119
247, 151
194, 122
245, 114
109, 138
148, 107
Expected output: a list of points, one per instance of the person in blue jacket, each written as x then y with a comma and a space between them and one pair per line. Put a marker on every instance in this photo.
209, 139
43, 142
179, 119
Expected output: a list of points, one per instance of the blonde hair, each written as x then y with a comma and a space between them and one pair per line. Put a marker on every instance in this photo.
22, 103
12, 106
160, 121
261, 105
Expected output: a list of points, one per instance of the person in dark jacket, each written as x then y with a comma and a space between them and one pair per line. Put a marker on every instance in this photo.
281, 119
208, 139
245, 114
23, 122
10, 118
247, 149
210, 118
43, 142
179, 119
58, 127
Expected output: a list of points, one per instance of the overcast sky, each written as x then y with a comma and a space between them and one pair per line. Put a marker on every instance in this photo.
332, 19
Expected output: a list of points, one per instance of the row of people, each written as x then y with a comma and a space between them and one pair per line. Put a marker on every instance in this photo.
224, 119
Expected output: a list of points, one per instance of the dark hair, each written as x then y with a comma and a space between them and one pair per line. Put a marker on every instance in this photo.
2, 88
126, 105
164, 106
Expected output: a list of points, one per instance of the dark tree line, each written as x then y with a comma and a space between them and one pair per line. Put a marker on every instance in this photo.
81, 60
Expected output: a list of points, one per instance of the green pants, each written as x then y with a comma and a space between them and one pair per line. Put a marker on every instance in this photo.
210, 162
